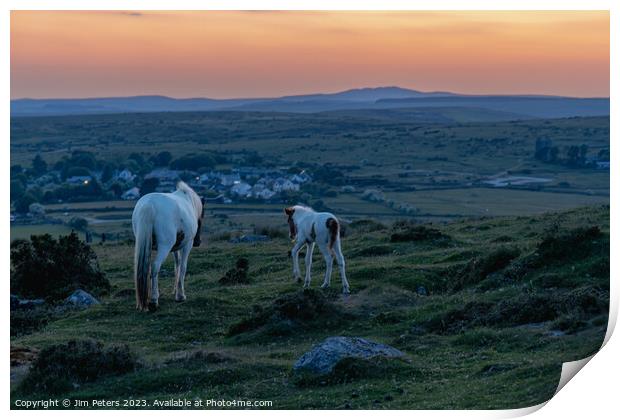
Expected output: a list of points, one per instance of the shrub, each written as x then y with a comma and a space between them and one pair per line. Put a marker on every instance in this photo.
405, 231
301, 310
569, 309
78, 223
237, 275
366, 226
51, 269
480, 267
58, 367
270, 231
560, 246
27, 321
374, 251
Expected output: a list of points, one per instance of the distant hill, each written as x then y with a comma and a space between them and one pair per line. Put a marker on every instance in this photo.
381, 98
534, 106
444, 115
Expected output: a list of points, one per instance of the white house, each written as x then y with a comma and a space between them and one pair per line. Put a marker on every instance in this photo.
125, 175
283, 184
301, 178
230, 179
131, 194
163, 174
242, 189
264, 194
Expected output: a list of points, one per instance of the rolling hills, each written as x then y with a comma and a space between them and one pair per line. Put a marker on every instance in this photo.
514, 106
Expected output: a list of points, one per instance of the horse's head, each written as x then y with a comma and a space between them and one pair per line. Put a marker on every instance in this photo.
290, 211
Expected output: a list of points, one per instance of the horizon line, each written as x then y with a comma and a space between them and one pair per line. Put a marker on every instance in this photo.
307, 94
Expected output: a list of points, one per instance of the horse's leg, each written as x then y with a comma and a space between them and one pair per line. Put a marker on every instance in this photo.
295, 255
329, 260
160, 257
309, 250
340, 261
180, 291
177, 266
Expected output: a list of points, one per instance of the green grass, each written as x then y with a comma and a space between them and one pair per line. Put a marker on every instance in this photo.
481, 365
492, 201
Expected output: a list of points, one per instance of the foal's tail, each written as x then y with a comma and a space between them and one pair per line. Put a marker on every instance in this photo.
142, 256
334, 228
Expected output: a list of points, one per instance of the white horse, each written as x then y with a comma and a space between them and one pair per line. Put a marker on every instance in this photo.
164, 222
308, 227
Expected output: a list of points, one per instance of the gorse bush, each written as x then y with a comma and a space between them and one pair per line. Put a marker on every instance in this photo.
59, 367
478, 268
237, 275
406, 231
51, 269
577, 243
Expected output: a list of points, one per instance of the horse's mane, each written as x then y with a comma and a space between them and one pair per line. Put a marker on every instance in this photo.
302, 207
182, 186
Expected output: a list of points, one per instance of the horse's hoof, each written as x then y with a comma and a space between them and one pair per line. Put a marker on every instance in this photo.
346, 292
153, 306
298, 279
179, 300
324, 286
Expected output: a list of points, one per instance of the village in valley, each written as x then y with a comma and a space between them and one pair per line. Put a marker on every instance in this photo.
88, 179
244, 183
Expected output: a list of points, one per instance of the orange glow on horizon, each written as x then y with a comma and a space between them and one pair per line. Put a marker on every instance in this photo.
258, 54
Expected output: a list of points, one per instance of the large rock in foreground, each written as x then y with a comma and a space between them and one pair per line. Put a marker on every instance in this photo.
323, 358
81, 299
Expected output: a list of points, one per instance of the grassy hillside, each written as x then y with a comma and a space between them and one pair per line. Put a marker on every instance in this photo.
507, 301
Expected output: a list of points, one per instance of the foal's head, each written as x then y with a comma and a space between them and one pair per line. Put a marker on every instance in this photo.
289, 211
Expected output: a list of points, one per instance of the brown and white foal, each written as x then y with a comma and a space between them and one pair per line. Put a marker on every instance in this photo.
308, 227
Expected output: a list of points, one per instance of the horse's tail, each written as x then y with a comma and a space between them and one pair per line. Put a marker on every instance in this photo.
142, 256
334, 228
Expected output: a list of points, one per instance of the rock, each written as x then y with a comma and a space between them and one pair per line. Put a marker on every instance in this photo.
250, 239
82, 299
322, 358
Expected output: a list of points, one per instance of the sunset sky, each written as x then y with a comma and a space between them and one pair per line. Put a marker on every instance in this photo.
257, 54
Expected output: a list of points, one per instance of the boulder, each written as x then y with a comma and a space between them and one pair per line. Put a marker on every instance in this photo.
250, 239
322, 358
82, 299
421, 290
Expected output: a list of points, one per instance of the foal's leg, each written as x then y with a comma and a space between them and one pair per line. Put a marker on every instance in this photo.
180, 290
341, 268
295, 255
160, 257
309, 250
177, 266
329, 260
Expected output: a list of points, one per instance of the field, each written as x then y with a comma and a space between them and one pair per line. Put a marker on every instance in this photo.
486, 339
502, 275
445, 170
